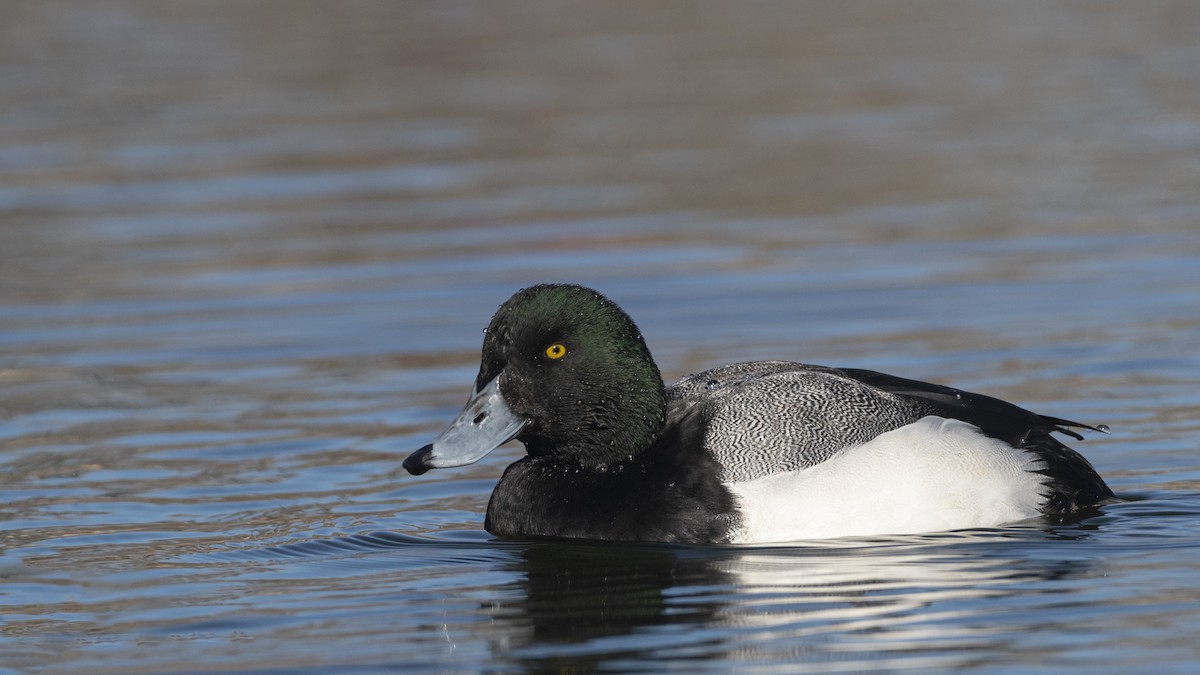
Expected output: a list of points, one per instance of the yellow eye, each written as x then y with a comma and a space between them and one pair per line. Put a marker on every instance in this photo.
556, 351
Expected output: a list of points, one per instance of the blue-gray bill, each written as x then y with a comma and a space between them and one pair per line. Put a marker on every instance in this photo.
485, 423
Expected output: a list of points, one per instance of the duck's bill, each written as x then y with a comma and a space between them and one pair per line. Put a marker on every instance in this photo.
484, 424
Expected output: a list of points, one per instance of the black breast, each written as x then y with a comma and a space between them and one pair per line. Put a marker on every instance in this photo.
670, 492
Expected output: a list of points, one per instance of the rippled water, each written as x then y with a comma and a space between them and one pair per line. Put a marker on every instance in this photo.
248, 249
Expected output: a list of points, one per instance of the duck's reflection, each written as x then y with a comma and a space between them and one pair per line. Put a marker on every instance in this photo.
591, 605
573, 593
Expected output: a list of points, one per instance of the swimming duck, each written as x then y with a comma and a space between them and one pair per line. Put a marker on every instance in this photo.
767, 451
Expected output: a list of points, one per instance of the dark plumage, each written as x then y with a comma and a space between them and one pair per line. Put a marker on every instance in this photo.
669, 492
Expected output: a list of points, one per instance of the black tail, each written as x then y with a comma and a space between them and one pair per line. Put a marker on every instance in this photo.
1071, 482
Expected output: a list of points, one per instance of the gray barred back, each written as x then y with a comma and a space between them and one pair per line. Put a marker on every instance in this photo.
768, 417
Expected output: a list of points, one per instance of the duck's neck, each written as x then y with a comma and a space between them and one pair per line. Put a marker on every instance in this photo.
621, 427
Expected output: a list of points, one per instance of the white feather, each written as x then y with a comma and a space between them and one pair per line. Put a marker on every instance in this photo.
932, 475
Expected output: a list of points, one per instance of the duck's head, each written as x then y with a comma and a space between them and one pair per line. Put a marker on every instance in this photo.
566, 372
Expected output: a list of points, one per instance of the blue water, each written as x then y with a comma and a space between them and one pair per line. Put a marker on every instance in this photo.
249, 249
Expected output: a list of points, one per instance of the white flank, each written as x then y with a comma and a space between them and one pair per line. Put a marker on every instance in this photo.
932, 475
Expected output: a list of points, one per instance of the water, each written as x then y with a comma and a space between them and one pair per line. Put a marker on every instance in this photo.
248, 250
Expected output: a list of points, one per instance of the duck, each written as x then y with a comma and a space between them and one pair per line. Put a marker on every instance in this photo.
744, 453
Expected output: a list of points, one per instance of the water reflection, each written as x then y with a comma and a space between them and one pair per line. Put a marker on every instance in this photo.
592, 606
579, 604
